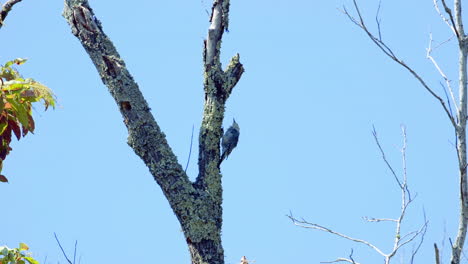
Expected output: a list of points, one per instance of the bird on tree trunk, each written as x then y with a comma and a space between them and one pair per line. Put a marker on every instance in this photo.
229, 140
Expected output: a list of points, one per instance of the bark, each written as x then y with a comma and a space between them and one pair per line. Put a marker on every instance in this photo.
196, 205
6, 8
460, 130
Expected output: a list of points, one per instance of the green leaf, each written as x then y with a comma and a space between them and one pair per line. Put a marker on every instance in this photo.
43, 92
17, 61
15, 85
3, 125
20, 111
23, 246
2, 104
9, 74
4, 250
31, 260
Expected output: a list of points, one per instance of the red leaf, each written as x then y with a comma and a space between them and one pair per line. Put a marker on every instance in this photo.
31, 124
7, 136
3, 178
15, 127
3, 152
28, 93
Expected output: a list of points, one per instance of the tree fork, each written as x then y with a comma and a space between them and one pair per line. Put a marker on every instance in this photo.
196, 205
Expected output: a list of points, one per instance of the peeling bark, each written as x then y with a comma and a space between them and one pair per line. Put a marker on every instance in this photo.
196, 205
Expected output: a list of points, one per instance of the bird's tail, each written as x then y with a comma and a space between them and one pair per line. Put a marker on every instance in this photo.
223, 156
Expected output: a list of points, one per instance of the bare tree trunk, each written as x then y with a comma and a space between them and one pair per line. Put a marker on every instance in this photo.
461, 149
460, 129
196, 205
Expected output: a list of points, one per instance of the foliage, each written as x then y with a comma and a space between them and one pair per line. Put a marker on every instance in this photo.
16, 97
16, 255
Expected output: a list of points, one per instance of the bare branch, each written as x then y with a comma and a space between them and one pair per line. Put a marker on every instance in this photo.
379, 219
441, 72
423, 235
74, 252
305, 224
377, 20
341, 260
452, 21
412, 235
6, 8
387, 51
350, 260
403, 157
374, 133
436, 252
446, 20
63, 251
448, 102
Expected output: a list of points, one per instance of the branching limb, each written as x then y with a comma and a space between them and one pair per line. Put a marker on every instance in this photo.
436, 254
459, 121
406, 199
388, 51
374, 133
447, 10
6, 8
304, 224
379, 219
349, 260
145, 136
341, 260
63, 251
442, 73
218, 85
196, 205
421, 240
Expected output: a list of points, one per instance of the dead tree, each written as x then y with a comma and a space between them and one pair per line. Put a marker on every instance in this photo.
197, 205
399, 239
453, 18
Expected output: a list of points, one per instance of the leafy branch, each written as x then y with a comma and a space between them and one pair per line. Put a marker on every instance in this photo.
16, 255
16, 97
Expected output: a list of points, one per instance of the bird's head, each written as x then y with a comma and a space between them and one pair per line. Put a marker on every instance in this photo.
235, 125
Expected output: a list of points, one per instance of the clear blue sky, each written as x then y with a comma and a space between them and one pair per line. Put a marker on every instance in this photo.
313, 87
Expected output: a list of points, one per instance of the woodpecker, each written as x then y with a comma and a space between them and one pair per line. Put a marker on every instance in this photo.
229, 141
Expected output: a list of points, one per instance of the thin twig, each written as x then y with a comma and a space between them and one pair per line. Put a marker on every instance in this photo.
379, 219
441, 72
374, 133
423, 235
341, 260
446, 20
403, 156
61, 248
74, 253
436, 251
377, 19
454, 25
305, 224
448, 100
190, 151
